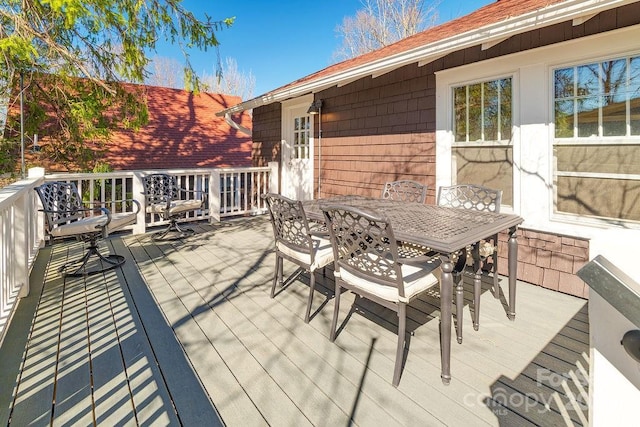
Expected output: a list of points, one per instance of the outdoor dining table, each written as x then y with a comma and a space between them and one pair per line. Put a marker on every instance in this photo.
447, 231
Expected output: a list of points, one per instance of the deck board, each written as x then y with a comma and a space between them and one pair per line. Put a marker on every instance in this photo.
255, 307
186, 332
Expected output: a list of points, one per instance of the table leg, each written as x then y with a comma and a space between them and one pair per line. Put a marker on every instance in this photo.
446, 300
477, 285
513, 272
494, 269
458, 279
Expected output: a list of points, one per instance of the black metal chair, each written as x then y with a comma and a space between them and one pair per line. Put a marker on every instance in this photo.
405, 190
368, 264
67, 216
297, 242
479, 198
163, 198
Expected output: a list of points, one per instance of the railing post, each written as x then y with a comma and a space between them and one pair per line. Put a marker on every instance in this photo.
273, 177
22, 245
214, 196
38, 216
140, 227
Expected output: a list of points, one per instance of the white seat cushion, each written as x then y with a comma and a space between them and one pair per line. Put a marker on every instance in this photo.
323, 255
120, 219
176, 207
93, 224
416, 279
83, 225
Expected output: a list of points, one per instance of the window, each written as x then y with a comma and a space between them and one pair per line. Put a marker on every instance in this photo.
597, 139
482, 152
301, 137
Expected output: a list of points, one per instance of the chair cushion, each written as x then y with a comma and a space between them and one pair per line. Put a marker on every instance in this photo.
176, 207
416, 279
83, 225
323, 255
94, 223
120, 220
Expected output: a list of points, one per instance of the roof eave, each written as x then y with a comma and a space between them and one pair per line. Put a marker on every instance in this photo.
568, 10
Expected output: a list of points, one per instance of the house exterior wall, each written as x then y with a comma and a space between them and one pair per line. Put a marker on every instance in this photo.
378, 130
386, 128
266, 134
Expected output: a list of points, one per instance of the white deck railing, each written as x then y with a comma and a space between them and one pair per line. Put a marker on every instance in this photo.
22, 226
20, 238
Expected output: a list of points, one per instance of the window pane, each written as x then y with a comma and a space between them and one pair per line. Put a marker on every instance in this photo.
460, 113
614, 116
588, 80
564, 119
475, 112
635, 116
591, 158
563, 83
505, 109
588, 116
296, 123
609, 198
606, 103
634, 94
614, 76
614, 101
491, 104
491, 167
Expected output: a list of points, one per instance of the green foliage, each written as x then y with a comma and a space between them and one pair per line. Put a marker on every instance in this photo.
75, 53
9, 152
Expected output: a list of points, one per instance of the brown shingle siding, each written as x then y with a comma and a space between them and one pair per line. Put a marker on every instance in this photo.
551, 279
267, 131
548, 260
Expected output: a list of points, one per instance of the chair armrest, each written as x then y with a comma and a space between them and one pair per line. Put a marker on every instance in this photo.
75, 211
204, 193
133, 201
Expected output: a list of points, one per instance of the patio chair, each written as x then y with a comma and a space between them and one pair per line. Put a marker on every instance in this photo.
366, 262
405, 190
162, 197
308, 247
479, 198
67, 216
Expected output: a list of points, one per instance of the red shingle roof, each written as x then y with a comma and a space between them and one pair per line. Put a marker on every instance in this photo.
183, 132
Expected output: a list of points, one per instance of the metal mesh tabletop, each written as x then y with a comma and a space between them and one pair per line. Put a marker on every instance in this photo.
443, 229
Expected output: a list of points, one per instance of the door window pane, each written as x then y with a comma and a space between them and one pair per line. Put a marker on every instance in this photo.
301, 137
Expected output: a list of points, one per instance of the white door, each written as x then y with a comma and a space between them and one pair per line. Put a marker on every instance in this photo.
297, 152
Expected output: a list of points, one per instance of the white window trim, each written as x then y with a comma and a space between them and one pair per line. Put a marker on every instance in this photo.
533, 130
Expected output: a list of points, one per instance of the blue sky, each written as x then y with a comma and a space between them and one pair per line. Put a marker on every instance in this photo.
279, 41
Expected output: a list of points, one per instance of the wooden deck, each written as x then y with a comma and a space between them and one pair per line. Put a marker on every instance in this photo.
185, 333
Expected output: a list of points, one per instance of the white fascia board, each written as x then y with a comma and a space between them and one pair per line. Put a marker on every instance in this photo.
553, 14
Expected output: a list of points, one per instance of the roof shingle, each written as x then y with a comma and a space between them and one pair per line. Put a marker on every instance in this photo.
183, 132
